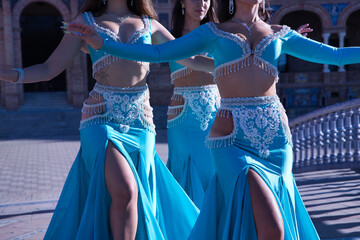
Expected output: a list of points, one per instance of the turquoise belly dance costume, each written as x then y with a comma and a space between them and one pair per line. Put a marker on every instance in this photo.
261, 137
123, 117
189, 160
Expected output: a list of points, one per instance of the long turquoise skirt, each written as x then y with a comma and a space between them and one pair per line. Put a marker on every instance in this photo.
82, 212
189, 159
260, 141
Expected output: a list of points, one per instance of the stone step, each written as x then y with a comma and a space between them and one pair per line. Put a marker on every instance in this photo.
45, 101
39, 124
46, 115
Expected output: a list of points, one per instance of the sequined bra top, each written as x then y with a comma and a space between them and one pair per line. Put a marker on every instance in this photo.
232, 53
101, 59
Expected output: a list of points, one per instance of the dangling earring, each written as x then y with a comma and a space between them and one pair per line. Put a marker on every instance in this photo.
183, 10
231, 7
132, 3
264, 6
104, 2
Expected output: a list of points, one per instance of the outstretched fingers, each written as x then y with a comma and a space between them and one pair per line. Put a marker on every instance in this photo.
81, 28
304, 29
85, 32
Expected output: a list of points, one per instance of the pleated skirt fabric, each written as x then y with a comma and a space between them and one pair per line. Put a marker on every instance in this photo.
260, 141
189, 159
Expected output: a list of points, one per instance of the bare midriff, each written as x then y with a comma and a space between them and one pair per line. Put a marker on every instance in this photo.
194, 79
121, 73
247, 82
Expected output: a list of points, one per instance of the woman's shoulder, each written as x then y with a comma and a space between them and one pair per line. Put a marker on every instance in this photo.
276, 27
281, 30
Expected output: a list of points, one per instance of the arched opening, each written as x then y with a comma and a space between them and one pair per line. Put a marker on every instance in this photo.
294, 20
353, 35
40, 34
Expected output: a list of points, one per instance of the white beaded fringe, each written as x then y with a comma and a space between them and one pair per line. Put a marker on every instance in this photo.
244, 62
180, 73
225, 113
93, 108
175, 110
217, 142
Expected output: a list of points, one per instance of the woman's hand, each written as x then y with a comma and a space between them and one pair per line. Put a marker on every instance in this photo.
86, 33
8, 75
304, 29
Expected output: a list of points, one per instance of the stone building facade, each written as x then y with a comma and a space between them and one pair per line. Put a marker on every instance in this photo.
24, 24
306, 86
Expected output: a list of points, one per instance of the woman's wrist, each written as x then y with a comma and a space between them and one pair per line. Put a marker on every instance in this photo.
20, 77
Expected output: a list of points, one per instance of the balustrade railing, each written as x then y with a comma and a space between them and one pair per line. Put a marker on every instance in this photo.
328, 137
312, 79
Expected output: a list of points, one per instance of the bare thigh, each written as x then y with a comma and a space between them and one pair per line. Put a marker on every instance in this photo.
268, 220
119, 178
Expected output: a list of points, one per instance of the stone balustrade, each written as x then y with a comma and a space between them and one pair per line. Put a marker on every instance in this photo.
328, 137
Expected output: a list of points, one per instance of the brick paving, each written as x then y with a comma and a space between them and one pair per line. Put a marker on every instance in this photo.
32, 175
33, 171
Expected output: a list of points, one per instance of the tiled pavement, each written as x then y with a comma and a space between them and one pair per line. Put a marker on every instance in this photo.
32, 172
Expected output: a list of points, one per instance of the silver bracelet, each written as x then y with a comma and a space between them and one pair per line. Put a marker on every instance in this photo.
21, 75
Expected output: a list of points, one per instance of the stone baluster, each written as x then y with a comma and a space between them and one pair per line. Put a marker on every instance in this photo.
320, 140
348, 135
326, 131
313, 143
341, 136
333, 137
307, 135
356, 134
295, 140
301, 145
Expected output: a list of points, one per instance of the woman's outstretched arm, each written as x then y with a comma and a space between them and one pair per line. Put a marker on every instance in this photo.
191, 44
313, 51
162, 35
57, 62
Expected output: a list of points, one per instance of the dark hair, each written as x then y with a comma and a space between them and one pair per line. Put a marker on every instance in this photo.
224, 15
178, 19
139, 7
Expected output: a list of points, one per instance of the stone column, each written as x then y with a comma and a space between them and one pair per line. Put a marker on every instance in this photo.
10, 92
77, 72
341, 45
326, 37
74, 8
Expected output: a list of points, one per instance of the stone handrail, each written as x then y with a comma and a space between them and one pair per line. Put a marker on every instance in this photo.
328, 137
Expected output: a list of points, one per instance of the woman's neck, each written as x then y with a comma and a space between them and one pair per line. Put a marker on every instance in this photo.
117, 7
247, 13
189, 25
